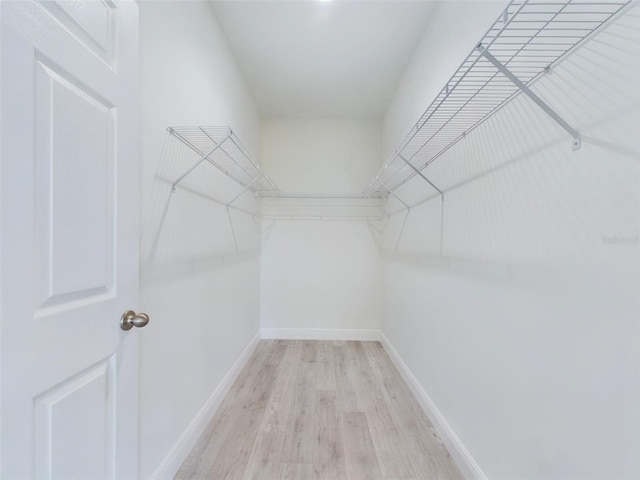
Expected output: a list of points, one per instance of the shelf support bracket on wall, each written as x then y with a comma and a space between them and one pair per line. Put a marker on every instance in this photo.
437, 190
269, 227
247, 187
406, 215
404, 222
393, 194
418, 172
195, 165
376, 233
233, 231
577, 141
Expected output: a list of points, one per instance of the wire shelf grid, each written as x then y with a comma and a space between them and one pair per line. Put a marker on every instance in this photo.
529, 38
221, 147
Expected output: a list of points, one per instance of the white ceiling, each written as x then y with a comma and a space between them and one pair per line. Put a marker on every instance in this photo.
311, 58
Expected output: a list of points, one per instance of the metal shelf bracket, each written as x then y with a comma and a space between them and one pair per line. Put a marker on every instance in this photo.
577, 141
195, 165
392, 193
420, 174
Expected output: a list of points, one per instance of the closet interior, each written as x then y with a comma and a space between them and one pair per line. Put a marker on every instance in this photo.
490, 245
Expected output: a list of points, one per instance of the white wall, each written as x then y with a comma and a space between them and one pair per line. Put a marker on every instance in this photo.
202, 297
326, 156
525, 334
318, 273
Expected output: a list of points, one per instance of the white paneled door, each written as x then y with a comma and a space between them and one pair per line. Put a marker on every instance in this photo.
69, 239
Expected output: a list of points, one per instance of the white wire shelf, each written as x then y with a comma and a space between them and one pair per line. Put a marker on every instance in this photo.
321, 196
524, 43
322, 207
221, 147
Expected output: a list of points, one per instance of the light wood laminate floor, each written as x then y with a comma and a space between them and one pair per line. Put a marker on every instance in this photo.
319, 410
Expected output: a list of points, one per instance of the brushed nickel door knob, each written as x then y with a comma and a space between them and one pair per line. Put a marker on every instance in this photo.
132, 319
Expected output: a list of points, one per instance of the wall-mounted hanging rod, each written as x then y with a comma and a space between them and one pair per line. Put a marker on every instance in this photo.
177, 181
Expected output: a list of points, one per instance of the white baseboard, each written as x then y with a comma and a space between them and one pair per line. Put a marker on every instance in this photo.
177, 455
320, 334
470, 469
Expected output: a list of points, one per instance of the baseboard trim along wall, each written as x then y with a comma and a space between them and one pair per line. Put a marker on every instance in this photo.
470, 469
177, 455
320, 334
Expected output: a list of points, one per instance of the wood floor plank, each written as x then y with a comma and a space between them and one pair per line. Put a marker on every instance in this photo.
231, 419
205, 451
426, 452
345, 375
277, 411
264, 462
386, 438
330, 463
334, 410
296, 471
299, 443
233, 457
326, 373
250, 373
361, 459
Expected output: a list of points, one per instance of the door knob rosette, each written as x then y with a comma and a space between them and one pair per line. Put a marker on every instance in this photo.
132, 319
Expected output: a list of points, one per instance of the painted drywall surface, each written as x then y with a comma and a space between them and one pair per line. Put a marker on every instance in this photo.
202, 297
322, 59
525, 333
320, 273
329, 156
536, 379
